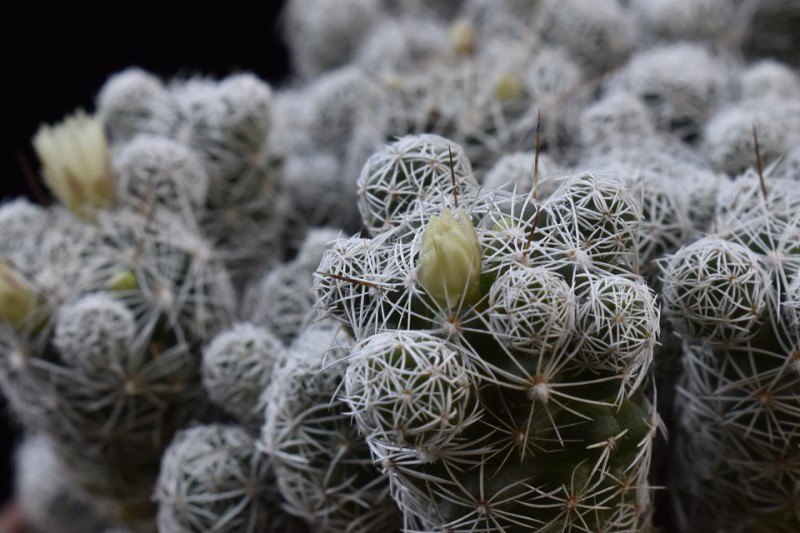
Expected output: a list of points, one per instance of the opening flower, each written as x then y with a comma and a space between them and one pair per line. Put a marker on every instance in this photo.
75, 161
450, 260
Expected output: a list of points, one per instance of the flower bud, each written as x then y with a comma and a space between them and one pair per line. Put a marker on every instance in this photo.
16, 298
450, 260
462, 37
75, 160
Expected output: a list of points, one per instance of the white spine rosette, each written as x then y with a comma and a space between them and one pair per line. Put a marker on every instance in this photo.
213, 479
413, 169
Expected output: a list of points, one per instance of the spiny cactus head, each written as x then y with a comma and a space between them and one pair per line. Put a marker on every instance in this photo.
156, 171
213, 478
132, 102
411, 389
599, 215
730, 141
618, 325
323, 467
95, 332
681, 84
715, 290
619, 118
531, 309
350, 283
597, 36
245, 112
413, 169
237, 367
769, 78
23, 223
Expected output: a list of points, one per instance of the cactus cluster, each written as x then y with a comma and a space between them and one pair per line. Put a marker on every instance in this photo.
419, 287
733, 297
495, 335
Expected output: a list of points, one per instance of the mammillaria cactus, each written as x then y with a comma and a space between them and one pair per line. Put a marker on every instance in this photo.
213, 479
475, 365
517, 170
323, 467
237, 367
680, 102
731, 297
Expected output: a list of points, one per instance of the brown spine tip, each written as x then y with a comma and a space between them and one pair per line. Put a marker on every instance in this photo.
759, 164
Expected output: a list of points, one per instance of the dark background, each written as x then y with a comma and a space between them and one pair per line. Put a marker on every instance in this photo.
55, 56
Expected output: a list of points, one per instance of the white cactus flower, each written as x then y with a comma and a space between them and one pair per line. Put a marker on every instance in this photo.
450, 260
75, 159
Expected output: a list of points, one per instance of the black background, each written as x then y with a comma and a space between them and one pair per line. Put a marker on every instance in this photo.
55, 56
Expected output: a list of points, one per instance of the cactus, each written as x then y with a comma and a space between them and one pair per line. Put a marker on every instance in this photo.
49, 501
475, 365
732, 296
213, 479
237, 367
323, 468
681, 101
517, 171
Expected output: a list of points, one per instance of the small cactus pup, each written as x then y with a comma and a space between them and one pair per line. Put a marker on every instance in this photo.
237, 367
213, 479
733, 297
502, 349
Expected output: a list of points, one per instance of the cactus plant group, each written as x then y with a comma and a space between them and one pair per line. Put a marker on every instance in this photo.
465, 272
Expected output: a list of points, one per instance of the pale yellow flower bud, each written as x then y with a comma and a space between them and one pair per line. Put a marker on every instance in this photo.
462, 37
450, 260
75, 160
508, 88
16, 297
